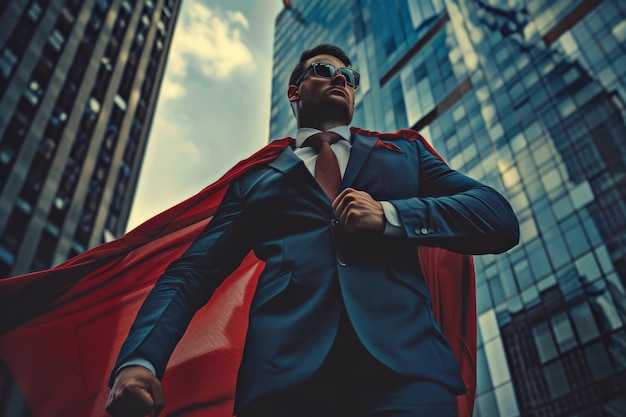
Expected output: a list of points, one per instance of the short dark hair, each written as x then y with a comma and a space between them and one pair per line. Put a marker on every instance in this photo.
323, 49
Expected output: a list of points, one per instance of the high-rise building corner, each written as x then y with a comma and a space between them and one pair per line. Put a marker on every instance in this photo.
79, 80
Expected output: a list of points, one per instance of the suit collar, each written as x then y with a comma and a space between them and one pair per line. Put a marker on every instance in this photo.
305, 132
290, 164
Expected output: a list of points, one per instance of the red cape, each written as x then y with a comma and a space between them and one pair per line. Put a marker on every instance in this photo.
61, 329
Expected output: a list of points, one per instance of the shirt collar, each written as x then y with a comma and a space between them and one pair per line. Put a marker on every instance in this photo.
305, 132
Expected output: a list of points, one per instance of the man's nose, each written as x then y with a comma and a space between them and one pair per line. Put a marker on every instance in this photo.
339, 79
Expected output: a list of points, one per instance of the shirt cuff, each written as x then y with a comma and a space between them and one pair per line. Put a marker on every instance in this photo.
137, 361
393, 226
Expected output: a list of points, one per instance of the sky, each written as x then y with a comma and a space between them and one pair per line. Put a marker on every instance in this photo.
214, 104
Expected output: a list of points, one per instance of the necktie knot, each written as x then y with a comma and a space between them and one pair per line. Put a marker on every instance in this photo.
317, 140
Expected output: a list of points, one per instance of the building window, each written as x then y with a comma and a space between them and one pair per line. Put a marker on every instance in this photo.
556, 380
13, 234
34, 12
66, 21
33, 92
57, 40
8, 59
390, 45
598, 360
103, 5
11, 143
584, 322
45, 251
563, 332
544, 342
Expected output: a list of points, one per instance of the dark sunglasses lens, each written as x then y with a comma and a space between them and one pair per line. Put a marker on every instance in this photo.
324, 70
350, 76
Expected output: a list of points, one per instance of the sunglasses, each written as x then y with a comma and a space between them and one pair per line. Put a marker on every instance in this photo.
324, 70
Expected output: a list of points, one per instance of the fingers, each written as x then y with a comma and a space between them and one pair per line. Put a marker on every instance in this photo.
339, 200
129, 402
135, 393
157, 395
358, 211
342, 200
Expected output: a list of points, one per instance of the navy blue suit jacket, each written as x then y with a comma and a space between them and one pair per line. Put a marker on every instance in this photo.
313, 266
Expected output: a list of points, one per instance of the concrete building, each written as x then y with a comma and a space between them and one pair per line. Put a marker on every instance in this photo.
527, 97
78, 86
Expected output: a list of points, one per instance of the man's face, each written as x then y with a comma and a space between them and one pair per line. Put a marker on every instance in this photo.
323, 98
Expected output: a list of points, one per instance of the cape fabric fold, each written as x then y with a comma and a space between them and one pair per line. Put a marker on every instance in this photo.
61, 329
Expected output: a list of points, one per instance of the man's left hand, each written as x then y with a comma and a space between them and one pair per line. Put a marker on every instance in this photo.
357, 211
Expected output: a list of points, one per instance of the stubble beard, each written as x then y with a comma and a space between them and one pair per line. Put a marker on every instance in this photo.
328, 110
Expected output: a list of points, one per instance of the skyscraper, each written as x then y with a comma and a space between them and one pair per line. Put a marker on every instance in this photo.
78, 88
527, 97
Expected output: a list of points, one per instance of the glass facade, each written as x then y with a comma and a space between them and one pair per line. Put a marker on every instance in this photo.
78, 87
528, 97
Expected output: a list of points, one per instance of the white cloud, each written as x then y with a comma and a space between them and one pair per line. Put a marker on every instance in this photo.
190, 153
212, 40
238, 17
174, 159
171, 89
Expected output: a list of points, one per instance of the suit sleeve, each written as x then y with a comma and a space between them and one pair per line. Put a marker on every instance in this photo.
187, 284
455, 212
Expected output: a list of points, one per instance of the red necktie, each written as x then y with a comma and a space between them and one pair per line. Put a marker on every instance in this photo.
327, 171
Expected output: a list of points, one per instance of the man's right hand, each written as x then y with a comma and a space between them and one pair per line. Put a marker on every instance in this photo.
135, 393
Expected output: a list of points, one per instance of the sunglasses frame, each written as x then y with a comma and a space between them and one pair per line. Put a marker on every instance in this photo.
334, 71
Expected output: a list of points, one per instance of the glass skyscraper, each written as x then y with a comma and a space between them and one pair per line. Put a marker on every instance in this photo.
78, 86
528, 97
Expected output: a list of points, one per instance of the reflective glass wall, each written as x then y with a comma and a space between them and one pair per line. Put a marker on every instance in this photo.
528, 97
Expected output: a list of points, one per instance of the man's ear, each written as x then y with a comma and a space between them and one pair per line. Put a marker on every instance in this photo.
292, 93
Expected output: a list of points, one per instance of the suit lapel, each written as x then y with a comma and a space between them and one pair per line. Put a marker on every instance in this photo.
290, 164
361, 148
286, 161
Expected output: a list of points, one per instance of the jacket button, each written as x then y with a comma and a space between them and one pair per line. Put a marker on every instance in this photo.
341, 261
334, 222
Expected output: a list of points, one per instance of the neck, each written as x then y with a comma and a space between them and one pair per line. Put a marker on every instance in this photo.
323, 125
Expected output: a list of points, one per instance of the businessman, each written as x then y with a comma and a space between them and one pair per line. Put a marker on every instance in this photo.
340, 323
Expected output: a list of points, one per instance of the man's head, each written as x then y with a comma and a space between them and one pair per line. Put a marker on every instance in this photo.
321, 88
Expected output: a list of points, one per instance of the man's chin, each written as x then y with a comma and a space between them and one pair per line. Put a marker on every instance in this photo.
334, 109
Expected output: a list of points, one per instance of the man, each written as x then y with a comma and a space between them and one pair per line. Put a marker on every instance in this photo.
340, 323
